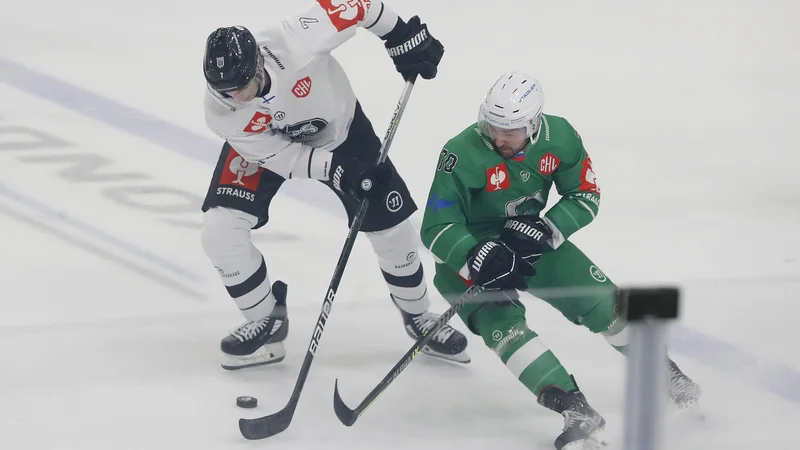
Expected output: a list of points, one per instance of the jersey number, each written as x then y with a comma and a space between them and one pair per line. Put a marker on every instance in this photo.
447, 161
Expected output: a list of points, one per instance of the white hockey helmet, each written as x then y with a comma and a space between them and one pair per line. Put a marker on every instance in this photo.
514, 101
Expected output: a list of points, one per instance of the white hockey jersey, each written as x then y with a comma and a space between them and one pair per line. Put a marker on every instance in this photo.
307, 112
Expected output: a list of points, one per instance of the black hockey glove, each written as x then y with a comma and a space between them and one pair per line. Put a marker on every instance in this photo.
413, 49
528, 236
493, 265
361, 178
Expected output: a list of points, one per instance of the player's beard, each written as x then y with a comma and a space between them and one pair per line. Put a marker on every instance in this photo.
507, 152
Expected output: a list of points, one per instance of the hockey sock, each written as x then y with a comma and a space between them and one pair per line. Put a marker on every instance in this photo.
241, 266
527, 357
617, 335
398, 258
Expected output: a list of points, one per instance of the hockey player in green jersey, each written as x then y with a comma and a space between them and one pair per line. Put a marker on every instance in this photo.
484, 223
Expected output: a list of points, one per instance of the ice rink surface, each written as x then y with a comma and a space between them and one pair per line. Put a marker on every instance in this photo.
111, 316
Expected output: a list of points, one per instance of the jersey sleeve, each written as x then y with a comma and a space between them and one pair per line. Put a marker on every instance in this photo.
327, 24
286, 158
444, 225
575, 181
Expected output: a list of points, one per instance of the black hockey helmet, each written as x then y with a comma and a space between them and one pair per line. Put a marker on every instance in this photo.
231, 58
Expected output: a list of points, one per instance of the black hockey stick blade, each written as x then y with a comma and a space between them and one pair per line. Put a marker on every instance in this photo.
349, 416
264, 427
346, 415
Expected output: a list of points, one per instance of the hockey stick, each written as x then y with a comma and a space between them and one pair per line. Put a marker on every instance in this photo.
349, 416
273, 424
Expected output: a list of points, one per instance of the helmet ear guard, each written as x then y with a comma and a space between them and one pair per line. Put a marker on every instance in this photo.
514, 101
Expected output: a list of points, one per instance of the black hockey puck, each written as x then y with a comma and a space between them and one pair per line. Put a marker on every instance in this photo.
246, 402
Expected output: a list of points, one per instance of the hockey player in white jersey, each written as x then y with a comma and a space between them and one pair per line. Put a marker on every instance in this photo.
286, 109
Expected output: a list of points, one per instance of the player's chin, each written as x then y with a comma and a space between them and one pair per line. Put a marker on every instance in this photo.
507, 152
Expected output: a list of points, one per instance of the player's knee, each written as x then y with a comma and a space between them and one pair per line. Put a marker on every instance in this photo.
500, 324
604, 318
224, 230
398, 242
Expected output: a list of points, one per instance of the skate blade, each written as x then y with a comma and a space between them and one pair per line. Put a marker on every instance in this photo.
266, 355
461, 358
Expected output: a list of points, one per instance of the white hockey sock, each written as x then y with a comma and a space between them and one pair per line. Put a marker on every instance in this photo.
241, 267
398, 257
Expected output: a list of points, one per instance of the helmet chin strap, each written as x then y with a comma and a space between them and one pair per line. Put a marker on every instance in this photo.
264, 81
535, 136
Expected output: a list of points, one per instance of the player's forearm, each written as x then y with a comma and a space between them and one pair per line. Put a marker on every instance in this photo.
571, 213
381, 20
450, 243
325, 24
312, 163
283, 157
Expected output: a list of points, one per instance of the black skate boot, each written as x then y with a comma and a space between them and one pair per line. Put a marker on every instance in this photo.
580, 420
447, 343
683, 392
259, 342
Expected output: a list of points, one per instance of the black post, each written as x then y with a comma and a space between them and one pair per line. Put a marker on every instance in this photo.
647, 311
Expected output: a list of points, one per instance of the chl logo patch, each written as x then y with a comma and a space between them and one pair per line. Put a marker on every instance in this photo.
548, 164
258, 123
497, 178
345, 13
240, 172
302, 88
394, 201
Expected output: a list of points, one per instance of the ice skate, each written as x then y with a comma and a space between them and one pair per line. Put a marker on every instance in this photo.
683, 392
447, 343
581, 422
259, 342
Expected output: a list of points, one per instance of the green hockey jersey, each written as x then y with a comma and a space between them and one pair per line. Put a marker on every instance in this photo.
474, 190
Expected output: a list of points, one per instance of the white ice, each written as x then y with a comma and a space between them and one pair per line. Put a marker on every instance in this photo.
110, 316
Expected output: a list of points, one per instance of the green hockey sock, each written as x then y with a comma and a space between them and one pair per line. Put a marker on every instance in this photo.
617, 335
529, 359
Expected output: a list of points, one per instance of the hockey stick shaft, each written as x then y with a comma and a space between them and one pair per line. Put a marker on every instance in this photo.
349, 416
270, 425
